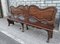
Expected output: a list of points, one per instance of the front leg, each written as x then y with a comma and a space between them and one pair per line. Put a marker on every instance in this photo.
50, 35
27, 27
10, 22
22, 27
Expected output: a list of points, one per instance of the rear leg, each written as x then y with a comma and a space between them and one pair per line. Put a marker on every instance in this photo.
27, 27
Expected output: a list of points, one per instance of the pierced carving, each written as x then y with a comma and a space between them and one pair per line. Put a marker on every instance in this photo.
21, 17
32, 19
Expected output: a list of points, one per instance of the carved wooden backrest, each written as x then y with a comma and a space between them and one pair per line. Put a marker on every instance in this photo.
20, 11
47, 13
37, 13
17, 10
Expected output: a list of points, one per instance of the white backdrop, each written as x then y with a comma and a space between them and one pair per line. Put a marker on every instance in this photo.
4, 7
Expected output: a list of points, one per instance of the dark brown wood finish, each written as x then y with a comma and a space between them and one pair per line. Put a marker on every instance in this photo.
44, 18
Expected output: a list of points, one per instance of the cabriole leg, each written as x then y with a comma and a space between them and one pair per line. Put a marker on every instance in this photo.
27, 27
50, 35
10, 22
22, 27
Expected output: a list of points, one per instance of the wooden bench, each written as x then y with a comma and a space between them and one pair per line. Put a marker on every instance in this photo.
34, 16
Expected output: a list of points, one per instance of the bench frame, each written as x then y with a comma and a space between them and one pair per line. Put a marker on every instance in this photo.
32, 10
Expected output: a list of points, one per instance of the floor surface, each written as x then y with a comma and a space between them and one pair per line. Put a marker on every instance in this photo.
4, 39
31, 36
